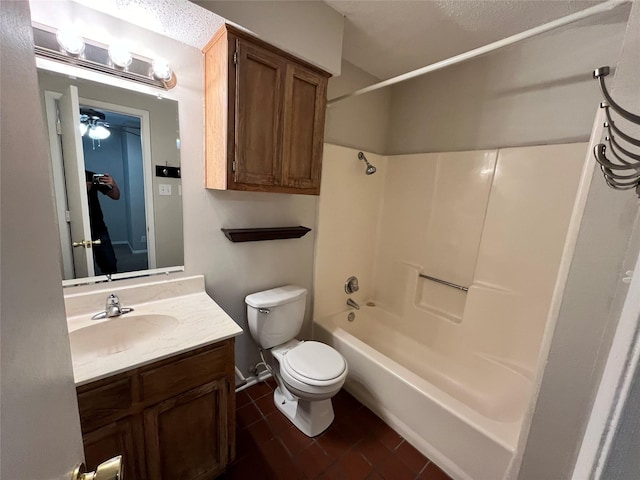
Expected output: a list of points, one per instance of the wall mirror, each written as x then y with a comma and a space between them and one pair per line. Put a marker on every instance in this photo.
121, 149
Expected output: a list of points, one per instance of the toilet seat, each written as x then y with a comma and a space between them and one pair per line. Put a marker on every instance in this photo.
314, 363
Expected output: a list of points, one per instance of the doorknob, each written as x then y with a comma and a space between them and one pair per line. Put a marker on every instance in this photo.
86, 243
109, 470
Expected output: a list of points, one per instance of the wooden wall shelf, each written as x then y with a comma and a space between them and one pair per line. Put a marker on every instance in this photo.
259, 234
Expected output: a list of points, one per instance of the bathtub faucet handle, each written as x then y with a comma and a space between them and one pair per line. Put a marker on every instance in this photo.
351, 285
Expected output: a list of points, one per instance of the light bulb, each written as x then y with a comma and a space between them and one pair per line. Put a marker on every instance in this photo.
120, 55
160, 69
83, 129
98, 132
70, 41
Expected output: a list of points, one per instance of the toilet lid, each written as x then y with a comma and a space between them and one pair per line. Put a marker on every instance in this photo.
314, 361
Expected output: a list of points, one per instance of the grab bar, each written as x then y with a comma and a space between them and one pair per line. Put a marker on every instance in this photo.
444, 282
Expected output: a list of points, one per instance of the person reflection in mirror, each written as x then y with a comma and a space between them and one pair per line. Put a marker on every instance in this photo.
104, 183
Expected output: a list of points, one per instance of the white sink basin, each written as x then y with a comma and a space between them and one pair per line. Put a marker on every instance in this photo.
118, 334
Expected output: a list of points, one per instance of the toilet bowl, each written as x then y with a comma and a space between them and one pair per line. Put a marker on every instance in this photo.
308, 373
311, 370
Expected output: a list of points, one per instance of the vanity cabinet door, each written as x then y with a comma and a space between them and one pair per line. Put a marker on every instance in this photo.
186, 436
172, 419
117, 438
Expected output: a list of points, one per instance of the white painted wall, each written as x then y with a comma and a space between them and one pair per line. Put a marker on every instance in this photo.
591, 307
358, 122
622, 462
40, 433
310, 30
536, 92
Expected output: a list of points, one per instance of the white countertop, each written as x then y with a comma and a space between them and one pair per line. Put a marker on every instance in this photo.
196, 320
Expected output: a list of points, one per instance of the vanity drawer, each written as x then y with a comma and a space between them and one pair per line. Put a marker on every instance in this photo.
105, 402
193, 370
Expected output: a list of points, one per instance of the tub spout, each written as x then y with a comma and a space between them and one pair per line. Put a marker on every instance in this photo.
353, 304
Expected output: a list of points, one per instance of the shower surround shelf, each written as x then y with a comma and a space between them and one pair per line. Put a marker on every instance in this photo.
258, 234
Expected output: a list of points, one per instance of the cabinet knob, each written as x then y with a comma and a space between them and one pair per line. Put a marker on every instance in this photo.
109, 470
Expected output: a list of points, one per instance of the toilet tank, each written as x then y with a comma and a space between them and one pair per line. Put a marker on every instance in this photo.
275, 316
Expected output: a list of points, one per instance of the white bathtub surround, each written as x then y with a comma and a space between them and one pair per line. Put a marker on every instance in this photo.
432, 218
353, 201
459, 412
183, 317
430, 358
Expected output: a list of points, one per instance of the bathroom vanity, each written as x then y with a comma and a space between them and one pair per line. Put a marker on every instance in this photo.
158, 388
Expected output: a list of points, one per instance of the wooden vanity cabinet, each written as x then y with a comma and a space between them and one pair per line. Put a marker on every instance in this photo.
264, 117
171, 419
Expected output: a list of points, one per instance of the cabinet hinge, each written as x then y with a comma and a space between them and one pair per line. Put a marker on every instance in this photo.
233, 166
235, 57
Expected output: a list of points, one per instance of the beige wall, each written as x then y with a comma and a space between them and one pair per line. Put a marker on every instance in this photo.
358, 122
536, 92
40, 432
309, 30
591, 306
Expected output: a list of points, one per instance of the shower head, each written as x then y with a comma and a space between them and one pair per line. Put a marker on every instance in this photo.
370, 168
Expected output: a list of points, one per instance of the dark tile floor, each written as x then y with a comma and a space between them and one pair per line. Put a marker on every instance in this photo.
357, 446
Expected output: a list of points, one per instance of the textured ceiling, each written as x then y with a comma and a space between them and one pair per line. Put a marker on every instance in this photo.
383, 37
390, 37
178, 19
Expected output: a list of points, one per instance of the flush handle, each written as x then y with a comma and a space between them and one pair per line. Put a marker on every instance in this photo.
109, 470
266, 311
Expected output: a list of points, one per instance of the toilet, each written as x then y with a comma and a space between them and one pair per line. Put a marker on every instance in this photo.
308, 373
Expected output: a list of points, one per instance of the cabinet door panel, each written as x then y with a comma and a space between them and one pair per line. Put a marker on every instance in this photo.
181, 375
118, 438
304, 112
187, 435
259, 91
105, 403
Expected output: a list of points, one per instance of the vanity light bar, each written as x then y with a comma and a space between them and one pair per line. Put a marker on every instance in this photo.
96, 57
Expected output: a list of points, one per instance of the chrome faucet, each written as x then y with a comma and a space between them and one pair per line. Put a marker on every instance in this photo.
352, 303
113, 308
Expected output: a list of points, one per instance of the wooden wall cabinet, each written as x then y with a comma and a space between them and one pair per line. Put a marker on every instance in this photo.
171, 419
264, 117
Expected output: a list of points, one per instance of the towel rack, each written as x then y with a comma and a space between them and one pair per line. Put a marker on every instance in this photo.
444, 282
621, 169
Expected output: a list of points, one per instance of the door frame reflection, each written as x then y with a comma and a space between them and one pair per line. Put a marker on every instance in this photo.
57, 165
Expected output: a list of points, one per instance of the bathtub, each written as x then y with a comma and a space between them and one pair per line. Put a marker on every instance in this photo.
461, 410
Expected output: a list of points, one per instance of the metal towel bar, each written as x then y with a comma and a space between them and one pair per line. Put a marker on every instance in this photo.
444, 282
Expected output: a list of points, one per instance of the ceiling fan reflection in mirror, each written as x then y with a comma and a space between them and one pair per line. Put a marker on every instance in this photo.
92, 123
